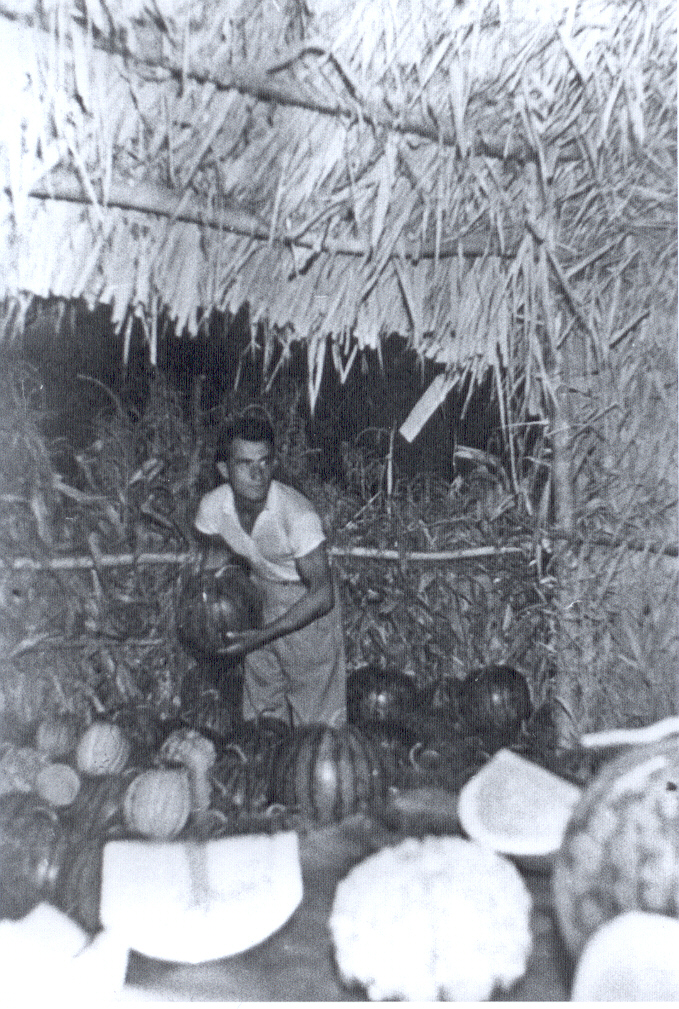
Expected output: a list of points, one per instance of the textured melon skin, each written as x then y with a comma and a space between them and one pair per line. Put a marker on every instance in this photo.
620, 851
103, 748
157, 803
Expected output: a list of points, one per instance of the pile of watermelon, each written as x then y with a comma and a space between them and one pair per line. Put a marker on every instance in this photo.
75, 787
71, 787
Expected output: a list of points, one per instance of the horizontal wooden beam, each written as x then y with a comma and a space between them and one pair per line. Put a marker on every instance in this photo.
147, 198
248, 80
86, 562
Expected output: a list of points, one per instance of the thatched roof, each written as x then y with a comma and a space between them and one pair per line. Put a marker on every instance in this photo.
350, 170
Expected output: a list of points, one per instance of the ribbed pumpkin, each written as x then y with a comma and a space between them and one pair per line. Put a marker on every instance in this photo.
620, 851
328, 773
157, 803
494, 703
58, 735
103, 748
32, 849
211, 603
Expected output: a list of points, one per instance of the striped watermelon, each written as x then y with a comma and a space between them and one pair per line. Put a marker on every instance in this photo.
98, 807
327, 773
620, 851
238, 786
79, 889
33, 846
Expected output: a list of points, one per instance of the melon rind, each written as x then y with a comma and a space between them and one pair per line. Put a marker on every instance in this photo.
517, 808
191, 902
620, 851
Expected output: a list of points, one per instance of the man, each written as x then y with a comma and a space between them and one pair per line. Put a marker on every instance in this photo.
294, 664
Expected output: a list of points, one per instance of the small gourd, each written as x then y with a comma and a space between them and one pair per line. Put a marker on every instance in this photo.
157, 803
197, 754
102, 749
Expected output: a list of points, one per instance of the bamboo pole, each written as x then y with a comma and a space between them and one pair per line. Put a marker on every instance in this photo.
147, 198
86, 562
261, 83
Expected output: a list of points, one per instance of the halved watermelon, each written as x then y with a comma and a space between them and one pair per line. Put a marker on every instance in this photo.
633, 958
196, 901
517, 808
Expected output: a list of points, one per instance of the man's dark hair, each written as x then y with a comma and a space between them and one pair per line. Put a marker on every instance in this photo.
248, 426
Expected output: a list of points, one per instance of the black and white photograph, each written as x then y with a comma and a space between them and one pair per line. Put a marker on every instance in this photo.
339, 485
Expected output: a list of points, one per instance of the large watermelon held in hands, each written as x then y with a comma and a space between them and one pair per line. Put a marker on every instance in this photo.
620, 851
209, 604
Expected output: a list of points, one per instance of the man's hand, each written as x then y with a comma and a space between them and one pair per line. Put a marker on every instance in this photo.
319, 598
239, 643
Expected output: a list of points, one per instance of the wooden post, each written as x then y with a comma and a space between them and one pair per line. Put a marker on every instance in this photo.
568, 625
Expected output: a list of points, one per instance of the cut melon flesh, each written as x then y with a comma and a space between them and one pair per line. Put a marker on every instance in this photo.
516, 807
633, 958
46, 953
191, 902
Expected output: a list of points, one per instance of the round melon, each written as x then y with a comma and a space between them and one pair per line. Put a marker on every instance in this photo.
517, 808
620, 851
328, 773
157, 803
495, 702
211, 603
633, 958
103, 748
58, 784
379, 695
